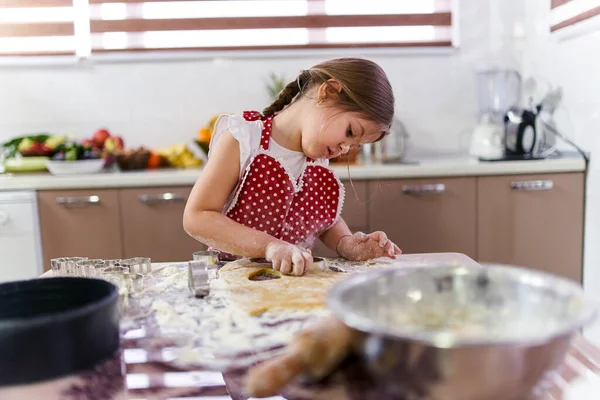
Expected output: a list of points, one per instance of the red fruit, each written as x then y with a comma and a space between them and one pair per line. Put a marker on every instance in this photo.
45, 150
114, 143
100, 137
36, 149
88, 143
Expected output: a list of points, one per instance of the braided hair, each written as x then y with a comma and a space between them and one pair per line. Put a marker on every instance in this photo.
288, 93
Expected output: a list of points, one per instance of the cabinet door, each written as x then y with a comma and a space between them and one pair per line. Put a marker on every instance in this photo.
152, 220
426, 215
354, 213
79, 223
533, 221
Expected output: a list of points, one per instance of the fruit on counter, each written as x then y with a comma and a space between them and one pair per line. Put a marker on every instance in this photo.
73, 151
114, 143
180, 156
88, 143
100, 137
40, 145
106, 143
54, 141
30, 148
205, 133
132, 159
156, 160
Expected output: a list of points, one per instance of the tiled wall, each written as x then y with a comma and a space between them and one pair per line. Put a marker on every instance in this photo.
157, 103
571, 59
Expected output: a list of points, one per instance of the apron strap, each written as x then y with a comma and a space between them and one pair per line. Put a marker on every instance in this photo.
265, 137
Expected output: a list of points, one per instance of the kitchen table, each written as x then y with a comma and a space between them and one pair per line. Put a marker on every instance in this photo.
151, 372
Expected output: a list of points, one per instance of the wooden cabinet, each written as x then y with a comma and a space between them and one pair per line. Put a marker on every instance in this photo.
534, 221
78, 223
426, 215
152, 221
354, 213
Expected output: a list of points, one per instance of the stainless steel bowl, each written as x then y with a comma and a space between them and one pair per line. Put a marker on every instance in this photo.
459, 333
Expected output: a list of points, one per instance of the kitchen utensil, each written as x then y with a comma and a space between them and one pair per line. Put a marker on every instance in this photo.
198, 280
470, 333
90, 268
138, 265
498, 89
392, 147
521, 136
209, 257
66, 265
59, 337
75, 167
133, 282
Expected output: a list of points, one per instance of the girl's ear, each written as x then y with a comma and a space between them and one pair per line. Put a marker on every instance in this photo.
328, 90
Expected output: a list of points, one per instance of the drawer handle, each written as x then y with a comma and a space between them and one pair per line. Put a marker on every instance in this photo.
423, 190
162, 198
532, 185
78, 201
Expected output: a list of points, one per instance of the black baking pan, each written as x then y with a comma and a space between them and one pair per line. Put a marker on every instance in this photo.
55, 327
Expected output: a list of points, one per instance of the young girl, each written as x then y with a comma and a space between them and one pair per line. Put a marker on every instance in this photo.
266, 190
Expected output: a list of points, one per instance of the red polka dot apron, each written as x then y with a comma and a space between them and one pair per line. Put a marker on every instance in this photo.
268, 199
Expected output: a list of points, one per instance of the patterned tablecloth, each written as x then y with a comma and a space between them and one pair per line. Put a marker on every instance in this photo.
151, 372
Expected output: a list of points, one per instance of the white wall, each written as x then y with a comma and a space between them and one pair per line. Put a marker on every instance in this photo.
157, 103
571, 59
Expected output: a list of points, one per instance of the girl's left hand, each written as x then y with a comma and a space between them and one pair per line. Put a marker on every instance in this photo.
362, 247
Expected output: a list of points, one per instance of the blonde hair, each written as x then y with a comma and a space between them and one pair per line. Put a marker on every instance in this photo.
365, 89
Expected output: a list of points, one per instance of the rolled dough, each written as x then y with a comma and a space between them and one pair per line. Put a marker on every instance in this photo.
289, 292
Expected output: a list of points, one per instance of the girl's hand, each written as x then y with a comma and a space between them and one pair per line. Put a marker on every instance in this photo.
288, 258
362, 247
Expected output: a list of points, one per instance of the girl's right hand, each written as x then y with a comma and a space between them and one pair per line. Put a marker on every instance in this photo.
288, 258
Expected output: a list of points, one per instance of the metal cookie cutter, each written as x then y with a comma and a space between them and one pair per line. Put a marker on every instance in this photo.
198, 278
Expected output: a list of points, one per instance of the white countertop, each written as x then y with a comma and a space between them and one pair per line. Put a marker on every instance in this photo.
433, 167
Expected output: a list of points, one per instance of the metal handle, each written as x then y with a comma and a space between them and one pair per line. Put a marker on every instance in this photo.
162, 198
423, 190
78, 201
532, 185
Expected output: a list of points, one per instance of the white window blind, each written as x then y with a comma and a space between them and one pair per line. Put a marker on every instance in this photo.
152, 25
570, 12
36, 27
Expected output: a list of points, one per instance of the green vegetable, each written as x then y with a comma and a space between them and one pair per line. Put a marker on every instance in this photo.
10, 148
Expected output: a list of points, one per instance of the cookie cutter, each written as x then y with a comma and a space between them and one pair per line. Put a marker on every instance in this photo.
198, 278
132, 282
90, 268
138, 265
209, 257
66, 265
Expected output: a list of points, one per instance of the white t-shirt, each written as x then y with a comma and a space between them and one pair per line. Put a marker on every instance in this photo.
248, 134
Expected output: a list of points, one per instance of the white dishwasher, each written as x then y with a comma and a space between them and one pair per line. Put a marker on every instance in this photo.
20, 243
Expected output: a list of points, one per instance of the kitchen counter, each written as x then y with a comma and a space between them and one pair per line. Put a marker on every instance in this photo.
439, 166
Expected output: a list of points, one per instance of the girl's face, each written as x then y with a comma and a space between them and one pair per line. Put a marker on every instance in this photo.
328, 132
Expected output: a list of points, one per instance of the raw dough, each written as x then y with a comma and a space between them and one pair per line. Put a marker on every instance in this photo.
304, 292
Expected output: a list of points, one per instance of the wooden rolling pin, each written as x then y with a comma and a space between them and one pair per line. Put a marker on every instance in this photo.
315, 352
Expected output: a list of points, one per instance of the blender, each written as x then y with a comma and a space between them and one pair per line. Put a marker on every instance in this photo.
498, 89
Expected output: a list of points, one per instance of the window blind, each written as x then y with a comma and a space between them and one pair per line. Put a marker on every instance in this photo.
97, 26
36, 27
129, 25
566, 13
